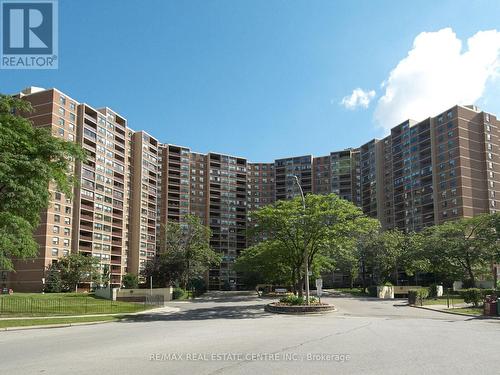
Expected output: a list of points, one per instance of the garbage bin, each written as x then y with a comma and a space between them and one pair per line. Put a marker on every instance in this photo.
490, 305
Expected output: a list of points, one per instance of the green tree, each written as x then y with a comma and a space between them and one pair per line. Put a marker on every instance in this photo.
386, 253
78, 268
185, 253
265, 263
30, 159
463, 249
53, 282
130, 281
326, 228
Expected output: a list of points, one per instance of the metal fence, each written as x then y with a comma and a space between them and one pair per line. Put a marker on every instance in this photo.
155, 300
64, 306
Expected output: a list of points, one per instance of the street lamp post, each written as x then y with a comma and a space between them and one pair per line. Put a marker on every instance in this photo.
306, 257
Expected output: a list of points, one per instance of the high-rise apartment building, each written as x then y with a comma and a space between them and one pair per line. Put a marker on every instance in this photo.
100, 200
143, 200
227, 194
422, 173
300, 166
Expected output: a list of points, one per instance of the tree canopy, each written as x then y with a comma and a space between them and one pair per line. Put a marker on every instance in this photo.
184, 255
465, 248
386, 253
30, 159
77, 268
327, 230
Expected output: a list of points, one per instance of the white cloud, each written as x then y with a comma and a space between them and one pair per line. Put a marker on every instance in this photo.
436, 75
358, 98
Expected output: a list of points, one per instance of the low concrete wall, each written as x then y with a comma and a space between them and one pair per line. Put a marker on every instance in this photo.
385, 292
403, 289
106, 293
137, 295
134, 295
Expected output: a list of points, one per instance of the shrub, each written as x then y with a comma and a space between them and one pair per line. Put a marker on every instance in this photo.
313, 300
433, 290
372, 291
179, 293
419, 295
388, 283
422, 293
488, 292
130, 281
472, 295
293, 300
53, 282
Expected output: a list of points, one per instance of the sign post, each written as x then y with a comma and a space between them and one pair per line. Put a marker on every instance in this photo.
319, 288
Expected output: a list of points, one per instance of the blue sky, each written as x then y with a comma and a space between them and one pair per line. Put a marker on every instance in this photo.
258, 79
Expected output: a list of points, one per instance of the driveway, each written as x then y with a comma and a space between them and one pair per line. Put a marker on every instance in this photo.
229, 333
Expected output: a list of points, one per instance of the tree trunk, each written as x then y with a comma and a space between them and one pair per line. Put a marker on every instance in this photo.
470, 272
363, 270
300, 287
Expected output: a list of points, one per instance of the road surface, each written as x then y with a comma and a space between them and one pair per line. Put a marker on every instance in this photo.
227, 333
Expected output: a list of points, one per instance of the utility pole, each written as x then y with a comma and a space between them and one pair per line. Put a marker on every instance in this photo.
306, 257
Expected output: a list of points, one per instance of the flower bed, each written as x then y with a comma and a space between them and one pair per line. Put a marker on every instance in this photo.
284, 308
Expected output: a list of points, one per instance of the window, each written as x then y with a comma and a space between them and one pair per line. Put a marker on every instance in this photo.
65, 253
62, 100
55, 229
61, 122
55, 252
55, 240
62, 112
57, 219
72, 106
61, 132
66, 231
67, 221
57, 196
66, 242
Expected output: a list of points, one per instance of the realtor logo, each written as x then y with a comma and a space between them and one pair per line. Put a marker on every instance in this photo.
29, 34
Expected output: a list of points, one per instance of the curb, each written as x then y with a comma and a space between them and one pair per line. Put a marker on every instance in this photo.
48, 326
273, 309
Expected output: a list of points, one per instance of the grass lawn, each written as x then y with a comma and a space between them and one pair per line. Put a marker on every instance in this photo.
442, 300
469, 310
36, 322
37, 304
359, 292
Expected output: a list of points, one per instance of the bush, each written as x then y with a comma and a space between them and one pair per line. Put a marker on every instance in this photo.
433, 291
419, 295
293, 300
313, 300
53, 282
488, 292
130, 281
372, 291
472, 295
388, 283
422, 293
179, 293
